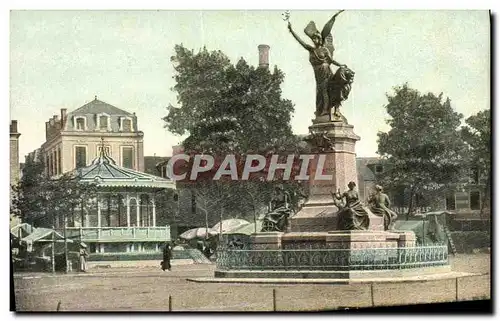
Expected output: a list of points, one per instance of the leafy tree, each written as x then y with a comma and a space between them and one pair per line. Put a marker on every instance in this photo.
229, 109
423, 149
477, 135
39, 199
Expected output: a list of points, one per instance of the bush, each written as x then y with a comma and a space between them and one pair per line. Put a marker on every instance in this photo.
466, 242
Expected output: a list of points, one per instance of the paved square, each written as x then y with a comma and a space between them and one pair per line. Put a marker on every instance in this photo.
148, 289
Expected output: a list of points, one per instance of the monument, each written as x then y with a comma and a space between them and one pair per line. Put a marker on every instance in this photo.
334, 235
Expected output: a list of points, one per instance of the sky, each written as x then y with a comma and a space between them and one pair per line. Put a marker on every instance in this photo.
62, 59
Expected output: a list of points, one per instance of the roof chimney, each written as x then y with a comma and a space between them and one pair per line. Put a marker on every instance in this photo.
63, 116
263, 56
13, 126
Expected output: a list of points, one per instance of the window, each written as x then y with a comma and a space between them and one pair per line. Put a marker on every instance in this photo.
59, 169
47, 164
193, 203
50, 165
133, 212
450, 201
107, 150
80, 123
126, 125
475, 200
379, 169
80, 156
103, 122
56, 165
474, 175
146, 211
128, 157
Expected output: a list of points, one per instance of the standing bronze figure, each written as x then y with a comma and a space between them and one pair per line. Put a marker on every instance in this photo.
331, 89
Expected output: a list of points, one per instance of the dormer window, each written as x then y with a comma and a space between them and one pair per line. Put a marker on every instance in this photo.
80, 123
103, 122
125, 124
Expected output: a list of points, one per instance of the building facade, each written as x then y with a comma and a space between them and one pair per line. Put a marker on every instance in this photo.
468, 200
73, 139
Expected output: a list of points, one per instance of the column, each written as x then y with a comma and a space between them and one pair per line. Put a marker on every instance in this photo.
128, 210
153, 200
98, 212
154, 215
138, 208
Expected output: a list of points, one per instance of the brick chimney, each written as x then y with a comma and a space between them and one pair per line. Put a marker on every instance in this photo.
63, 117
13, 126
263, 56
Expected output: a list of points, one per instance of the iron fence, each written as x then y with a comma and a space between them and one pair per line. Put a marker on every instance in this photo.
332, 259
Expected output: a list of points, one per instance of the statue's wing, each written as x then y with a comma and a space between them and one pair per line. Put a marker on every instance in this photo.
329, 44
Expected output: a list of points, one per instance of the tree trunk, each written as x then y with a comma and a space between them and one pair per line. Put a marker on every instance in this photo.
65, 223
410, 205
220, 226
53, 252
485, 197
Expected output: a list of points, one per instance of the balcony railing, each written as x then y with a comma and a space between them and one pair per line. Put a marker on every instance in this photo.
118, 234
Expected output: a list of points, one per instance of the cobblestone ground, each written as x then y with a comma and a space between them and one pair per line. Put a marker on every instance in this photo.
148, 289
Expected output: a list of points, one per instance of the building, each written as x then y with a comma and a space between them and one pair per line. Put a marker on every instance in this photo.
14, 153
467, 201
122, 217
73, 139
151, 164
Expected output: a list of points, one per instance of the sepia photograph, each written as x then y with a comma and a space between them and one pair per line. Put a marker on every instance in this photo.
285, 160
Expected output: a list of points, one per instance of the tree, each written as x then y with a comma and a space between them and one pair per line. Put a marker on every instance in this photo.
423, 150
229, 109
477, 135
39, 199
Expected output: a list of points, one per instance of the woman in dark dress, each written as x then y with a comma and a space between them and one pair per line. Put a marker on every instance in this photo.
167, 256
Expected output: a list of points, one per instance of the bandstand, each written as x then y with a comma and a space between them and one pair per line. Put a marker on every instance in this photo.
122, 218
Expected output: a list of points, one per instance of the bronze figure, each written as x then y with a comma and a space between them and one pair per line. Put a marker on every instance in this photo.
379, 205
331, 89
352, 214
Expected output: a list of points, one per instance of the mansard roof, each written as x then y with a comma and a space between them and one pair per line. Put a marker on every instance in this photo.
96, 107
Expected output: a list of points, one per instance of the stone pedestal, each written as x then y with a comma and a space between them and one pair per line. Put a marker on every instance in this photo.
334, 141
346, 240
340, 160
266, 241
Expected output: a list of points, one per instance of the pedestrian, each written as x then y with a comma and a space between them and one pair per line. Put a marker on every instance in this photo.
167, 256
83, 258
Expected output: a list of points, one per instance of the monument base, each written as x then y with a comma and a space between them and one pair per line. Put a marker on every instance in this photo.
335, 255
345, 240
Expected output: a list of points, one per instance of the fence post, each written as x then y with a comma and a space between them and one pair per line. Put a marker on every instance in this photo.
58, 306
274, 300
371, 291
169, 303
